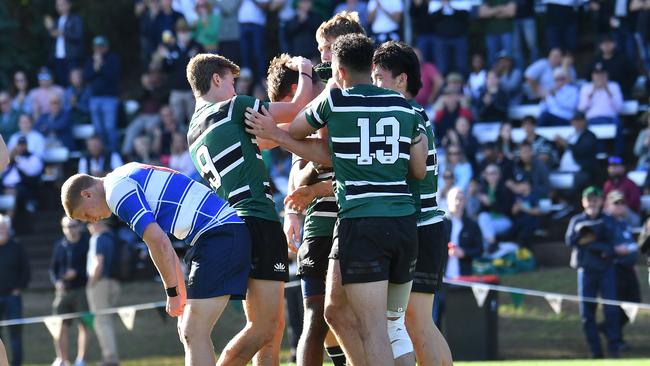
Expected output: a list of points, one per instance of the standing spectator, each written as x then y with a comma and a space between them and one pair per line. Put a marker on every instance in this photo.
384, 17
8, 116
525, 32
450, 109
496, 207
617, 19
229, 32
457, 164
301, 30
492, 103
432, 81
76, 98
162, 135
560, 102
499, 26
533, 170
176, 57
461, 135
425, 27
40, 97
67, 33
464, 236
504, 142
252, 22
619, 181
525, 212
561, 24
103, 290
286, 14
21, 98
103, 74
592, 235
452, 26
445, 184
509, 77
476, 79
96, 161
180, 158
617, 65
142, 151
539, 75
150, 21
14, 277
206, 29
56, 125
359, 6
170, 16
35, 140
22, 178
579, 154
642, 144
68, 274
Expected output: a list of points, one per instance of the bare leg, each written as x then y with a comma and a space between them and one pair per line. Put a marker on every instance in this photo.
82, 342
61, 344
199, 318
3, 355
431, 348
310, 346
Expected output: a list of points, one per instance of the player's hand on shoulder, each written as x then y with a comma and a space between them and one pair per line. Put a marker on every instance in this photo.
261, 123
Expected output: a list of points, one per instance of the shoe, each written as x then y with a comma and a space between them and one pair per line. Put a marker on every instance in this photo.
80, 363
60, 362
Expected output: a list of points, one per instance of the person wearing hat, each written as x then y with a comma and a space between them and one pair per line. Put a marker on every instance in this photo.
592, 236
617, 64
560, 102
41, 95
618, 180
539, 75
509, 75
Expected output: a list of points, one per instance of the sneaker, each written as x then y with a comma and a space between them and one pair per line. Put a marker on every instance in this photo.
60, 362
80, 363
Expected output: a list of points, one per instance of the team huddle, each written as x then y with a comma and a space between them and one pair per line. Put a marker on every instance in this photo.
372, 249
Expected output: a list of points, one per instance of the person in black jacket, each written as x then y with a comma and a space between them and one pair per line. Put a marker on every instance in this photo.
451, 27
68, 274
424, 26
496, 207
464, 236
301, 30
67, 38
14, 277
492, 103
593, 236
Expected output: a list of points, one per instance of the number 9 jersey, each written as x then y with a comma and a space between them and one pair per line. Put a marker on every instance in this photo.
370, 133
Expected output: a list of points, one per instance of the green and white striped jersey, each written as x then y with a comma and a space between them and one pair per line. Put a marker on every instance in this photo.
321, 214
229, 158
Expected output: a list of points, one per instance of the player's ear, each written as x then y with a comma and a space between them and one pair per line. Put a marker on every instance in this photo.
86, 193
216, 79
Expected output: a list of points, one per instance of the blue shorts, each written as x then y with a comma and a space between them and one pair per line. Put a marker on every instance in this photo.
219, 263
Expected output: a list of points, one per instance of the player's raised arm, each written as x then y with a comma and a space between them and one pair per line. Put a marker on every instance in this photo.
285, 112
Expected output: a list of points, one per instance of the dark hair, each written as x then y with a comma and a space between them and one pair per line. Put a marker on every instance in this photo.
354, 52
280, 78
201, 68
399, 58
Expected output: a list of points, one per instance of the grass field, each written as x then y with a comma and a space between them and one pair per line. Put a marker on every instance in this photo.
530, 332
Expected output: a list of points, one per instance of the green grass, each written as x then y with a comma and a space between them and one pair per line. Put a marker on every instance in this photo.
531, 332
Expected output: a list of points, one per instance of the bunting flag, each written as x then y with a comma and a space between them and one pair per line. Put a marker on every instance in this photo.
128, 317
54, 324
517, 300
555, 301
480, 293
630, 310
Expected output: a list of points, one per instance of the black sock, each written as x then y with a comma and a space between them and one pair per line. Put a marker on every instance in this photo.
337, 355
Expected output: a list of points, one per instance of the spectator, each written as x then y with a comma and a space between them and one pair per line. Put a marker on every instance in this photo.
142, 150
496, 207
103, 74
641, 10
301, 30
461, 135
35, 140
187, 8
40, 97
76, 98
525, 212
170, 16
448, 111
472, 200
102, 289
504, 142
67, 33
532, 170
456, 86
619, 181
561, 24
509, 77
446, 182
543, 149
579, 153
151, 26
359, 6
96, 161
457, 164
21, 98
592, 235
22, 177
252, 21
384, 18
540, 78
286, 14
616, 19
14, 277
492, 103
617, 207
229, 32
176, 57
477, 77
493, 155
162, 135
464, 237
425, 27
432, 81
451, 28
68, 275
8, 116
499, 25
525, 32
56, 125
642, 144
180, 159
617, 65
560, 102
206, 29
601, 101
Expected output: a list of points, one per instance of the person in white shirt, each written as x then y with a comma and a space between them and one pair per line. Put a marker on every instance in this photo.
35, 140
384, 17
67, 34
560, 102
252, 24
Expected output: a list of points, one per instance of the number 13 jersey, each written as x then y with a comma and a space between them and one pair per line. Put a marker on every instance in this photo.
370, 133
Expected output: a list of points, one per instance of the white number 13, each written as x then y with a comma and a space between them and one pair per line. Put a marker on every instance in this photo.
392, 140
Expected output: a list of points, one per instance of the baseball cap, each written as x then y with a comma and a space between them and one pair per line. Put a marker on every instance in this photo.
592, 191
615, 196
100, 41
598, 67
615, 160
22, 140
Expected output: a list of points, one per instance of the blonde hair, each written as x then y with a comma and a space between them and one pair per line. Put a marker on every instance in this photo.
71, 191
345, 22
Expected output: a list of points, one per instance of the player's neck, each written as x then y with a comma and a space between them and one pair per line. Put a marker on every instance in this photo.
354, 80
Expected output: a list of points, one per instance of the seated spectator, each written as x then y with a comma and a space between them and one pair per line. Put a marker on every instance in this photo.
21, 98
35, 140
455, 84
162, 134
617, 65
446, 181
525, 211
493, 155
504, 142
532, 170
538, 143
8, 116
496, 207
206, 28
180, 158
478, 76
97, 161
492, 102
601, 101
539, 75
642, 144
462, 136
384, 18
22, 176
301, 30
76, 98
509, 77
618, 180
432, 82
559, 104
142, 150
499, 26
472, 200
456, 162
616, 206
40, 97
449, 109
56, 125
464, 239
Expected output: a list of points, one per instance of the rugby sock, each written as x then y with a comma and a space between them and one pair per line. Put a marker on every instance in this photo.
337, 355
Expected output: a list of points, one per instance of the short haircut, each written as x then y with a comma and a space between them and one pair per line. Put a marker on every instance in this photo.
280, 78
71, 191
343, 23
399, 58
201, 68
354, 52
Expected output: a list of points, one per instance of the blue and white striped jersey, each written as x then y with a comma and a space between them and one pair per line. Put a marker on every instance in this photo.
140, 194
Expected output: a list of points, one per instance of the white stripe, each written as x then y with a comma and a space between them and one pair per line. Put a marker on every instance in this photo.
254, 141
324, 214
231, 166
137, 217
431, 168
345, 139
239, 190
266, 184
428, 124
427, 196
427, 209
314, 113
431, 152
378, 139
405, 156
269, 196
373, 109
346, 156
213, 126
325, 175
188, 207
365, 183
259, 156
226, 151
431, 221
405, 139
346, 93
383, 194
326, 199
